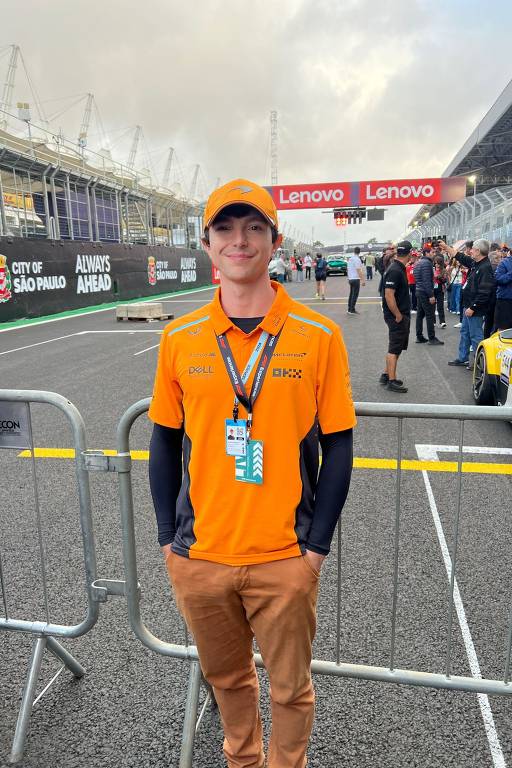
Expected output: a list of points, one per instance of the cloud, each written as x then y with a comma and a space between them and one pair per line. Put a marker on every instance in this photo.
363, 89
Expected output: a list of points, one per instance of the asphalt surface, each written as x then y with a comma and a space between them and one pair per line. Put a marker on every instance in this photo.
128, 709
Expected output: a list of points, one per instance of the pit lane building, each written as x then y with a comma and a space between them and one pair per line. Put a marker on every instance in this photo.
486, 161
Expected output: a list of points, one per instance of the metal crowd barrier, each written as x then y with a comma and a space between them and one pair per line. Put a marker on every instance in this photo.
16, 434
98, 589
389, 674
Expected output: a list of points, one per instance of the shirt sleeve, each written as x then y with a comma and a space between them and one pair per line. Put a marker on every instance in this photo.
332, 489
166, 406
335, 407
391, 280
165, 475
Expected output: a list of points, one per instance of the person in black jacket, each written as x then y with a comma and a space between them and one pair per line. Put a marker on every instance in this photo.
424, 275
477, 297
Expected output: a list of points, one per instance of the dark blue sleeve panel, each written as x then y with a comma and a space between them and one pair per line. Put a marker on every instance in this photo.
332, 489
165, 475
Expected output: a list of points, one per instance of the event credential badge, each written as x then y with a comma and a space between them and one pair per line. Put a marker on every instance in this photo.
236, 437
249, 468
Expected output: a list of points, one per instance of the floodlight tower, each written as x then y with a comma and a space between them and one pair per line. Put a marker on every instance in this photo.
167, 173
135, 144
273, 147
193, 185
86, 121
6, 102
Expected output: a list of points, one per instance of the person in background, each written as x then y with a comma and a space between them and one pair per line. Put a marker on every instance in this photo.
369, 263
464, 276
387, 255
477, 297
495, 257
308, 261
396, 306
409, 269
454, 287
503, 277
424, 276
440, 280
320, 276
299, 268
280, 267
355, 279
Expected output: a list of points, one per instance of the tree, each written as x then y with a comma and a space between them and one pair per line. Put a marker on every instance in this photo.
318, 244
372, 241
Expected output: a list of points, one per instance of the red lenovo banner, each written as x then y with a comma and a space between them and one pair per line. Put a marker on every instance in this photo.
369, 193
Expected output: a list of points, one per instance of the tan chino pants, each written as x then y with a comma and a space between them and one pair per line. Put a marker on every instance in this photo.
225, 607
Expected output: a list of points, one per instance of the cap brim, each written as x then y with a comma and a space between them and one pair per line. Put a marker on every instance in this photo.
240, 202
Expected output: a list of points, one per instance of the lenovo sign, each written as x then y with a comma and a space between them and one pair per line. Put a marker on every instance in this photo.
400, 192
371, 193
311, 195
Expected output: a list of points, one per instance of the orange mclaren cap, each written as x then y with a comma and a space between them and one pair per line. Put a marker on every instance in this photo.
240, 191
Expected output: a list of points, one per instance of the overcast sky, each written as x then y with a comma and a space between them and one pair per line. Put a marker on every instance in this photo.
364, 89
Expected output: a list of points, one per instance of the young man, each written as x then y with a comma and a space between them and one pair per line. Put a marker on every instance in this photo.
244, 535
396, 305
424, 276
355, 279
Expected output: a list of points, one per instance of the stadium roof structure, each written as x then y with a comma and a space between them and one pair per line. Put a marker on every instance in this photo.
487, 154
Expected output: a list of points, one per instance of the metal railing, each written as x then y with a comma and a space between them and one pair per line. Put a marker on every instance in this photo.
46, 632
98, 590
337, 668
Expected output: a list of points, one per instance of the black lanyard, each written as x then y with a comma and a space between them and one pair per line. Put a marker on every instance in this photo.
236, 379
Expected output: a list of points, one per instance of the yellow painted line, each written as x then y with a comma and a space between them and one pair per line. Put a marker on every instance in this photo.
334, 303
360, 462
69, 453
468, 467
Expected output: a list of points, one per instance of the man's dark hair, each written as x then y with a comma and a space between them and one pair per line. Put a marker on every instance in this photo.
237, 210
357, 250
494, 247
468, 244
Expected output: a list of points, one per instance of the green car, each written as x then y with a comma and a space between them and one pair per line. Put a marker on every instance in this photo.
336, 265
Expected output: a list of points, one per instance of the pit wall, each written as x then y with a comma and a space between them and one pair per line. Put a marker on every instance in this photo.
43, 277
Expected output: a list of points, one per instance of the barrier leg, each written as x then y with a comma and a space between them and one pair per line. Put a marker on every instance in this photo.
189, 724
20, 733
63, 655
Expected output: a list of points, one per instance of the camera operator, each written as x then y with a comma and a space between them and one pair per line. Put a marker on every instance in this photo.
477, 298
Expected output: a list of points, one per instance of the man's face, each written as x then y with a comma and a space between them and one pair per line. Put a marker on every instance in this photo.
241, 247
476, 255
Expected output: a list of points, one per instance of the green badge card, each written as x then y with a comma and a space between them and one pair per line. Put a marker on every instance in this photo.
249, 468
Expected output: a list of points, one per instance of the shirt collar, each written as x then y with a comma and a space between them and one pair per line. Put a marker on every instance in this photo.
271, 323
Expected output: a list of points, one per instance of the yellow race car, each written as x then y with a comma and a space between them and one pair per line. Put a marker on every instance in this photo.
492, 375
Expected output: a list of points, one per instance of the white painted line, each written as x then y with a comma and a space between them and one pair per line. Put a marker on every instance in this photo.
95, 311
143, 330
430, 452
70, 335
38, 344
498, 758
146, 350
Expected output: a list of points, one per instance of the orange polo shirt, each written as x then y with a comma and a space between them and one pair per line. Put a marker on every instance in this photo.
307, 386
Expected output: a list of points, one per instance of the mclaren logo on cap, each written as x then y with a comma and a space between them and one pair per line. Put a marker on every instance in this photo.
244, 190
